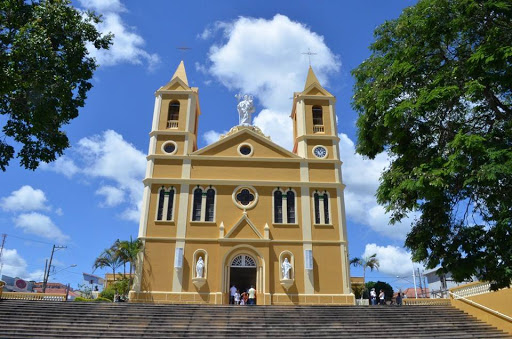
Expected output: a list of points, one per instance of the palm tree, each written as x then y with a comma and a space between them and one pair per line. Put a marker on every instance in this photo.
108, 258
128, 252
370, 262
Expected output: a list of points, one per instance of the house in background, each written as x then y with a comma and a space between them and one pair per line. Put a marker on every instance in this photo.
440, 284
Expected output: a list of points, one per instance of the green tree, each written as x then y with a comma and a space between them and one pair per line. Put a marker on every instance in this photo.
44, 75
128, 252
436, 94
108, 258
370, 262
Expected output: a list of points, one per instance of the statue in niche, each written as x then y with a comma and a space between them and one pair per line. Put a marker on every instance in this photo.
199, 267
245, 108
286, 268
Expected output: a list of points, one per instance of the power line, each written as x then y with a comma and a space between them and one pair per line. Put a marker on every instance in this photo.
39, 241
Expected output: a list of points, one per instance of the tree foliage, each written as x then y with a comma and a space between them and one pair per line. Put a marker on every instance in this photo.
44, 75
371, 262
436, 94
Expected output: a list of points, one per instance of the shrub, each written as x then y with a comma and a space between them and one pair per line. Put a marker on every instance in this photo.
107, 293
102, 300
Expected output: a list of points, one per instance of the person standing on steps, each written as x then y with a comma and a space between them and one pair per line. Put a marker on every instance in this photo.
381, 297
373, 297
232, 292
252, 296
399, 299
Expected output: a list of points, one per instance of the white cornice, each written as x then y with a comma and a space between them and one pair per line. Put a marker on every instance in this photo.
237, 182
193, 157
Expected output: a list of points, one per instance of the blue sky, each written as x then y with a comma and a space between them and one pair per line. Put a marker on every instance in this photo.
90, 197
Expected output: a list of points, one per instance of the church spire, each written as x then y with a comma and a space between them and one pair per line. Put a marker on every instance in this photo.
180, 73
311, 79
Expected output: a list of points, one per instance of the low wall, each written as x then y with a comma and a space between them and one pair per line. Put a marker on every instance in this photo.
425, 301
33, 296
500, 301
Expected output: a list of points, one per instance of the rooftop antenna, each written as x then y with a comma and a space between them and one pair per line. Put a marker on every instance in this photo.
309, 54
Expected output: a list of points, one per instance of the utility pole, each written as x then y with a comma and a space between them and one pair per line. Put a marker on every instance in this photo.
47, 275
414, 279
421, 286
2, 251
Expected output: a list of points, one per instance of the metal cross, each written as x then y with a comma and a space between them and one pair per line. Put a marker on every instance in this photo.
309, 54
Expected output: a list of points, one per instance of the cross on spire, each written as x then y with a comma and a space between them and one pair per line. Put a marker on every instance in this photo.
309, 54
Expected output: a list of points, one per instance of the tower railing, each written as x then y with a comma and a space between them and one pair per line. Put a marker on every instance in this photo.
318, 129
172, 123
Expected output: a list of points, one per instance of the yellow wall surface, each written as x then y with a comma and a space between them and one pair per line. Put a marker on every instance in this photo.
158, 266
253, 170
500, 301
327, 269
167, 168
319, 172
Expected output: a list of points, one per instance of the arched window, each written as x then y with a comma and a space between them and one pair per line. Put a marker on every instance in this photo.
317, 115
317, 208
278, 207
196, 206
173, 114
321, 202
160, 209
290, 207
210, 204
326, 208
170, 206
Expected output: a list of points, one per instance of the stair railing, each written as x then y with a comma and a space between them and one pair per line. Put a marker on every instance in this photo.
504, 316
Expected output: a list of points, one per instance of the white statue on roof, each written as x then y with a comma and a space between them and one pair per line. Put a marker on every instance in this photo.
245, 108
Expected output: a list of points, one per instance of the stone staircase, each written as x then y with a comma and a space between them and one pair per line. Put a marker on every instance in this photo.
38, 319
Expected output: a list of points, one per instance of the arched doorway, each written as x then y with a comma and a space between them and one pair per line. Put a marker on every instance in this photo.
242, 272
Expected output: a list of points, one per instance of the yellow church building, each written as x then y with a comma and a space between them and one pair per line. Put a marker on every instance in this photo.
243, 211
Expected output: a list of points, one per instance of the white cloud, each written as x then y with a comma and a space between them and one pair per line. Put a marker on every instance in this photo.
113, 195
16, 266
59, 212
109, 157
25, 199
127, 45
211, 136
394, 261
103, 5
62, 165
263, 57
40, 225
362, 179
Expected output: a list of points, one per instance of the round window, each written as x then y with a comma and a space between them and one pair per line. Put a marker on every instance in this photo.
169, 147
245, 150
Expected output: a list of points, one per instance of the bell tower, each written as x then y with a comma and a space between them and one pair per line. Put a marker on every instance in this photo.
314, 121
175, 117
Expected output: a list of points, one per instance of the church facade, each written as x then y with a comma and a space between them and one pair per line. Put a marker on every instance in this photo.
243, 211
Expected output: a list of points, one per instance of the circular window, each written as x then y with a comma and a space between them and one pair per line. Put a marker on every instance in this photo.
245, 150
169, 147
245, 197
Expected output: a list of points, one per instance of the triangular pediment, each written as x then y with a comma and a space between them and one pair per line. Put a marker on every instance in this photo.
316, 89
175, 84
261, 145
244, 229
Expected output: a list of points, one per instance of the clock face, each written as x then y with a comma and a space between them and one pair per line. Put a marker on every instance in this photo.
320, 152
